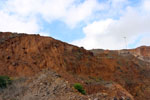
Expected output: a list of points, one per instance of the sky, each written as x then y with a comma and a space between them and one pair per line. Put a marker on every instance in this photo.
91, 24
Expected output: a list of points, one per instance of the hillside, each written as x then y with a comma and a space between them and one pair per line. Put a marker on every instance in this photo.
122, 75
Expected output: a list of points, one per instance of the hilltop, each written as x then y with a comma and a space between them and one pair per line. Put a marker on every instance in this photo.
105, 74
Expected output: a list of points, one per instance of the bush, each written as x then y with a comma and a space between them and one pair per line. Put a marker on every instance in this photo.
79, 87
4, 81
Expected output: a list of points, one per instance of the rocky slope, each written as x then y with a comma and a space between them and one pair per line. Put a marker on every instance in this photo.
48, 85
113, 73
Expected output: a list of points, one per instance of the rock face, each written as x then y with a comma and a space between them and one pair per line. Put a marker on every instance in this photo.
103, 73
142, 53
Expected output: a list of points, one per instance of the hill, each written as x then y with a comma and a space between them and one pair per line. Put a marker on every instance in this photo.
119, 75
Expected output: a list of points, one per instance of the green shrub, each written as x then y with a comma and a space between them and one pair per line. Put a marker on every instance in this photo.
4, 81
79, 87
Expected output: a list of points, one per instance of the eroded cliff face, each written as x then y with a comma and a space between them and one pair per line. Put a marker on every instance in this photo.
26, 55
142, 53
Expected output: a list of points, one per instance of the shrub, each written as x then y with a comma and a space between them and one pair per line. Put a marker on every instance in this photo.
4, 81
79, 87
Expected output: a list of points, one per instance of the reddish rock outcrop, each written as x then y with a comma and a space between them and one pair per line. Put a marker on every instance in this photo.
142, 53
26, 55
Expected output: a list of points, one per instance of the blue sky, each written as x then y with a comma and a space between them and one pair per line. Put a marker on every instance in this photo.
61, 31
87, 23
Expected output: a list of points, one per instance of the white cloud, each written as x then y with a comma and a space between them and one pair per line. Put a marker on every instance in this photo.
146, 5
67, 11
82, 12
23, 15
14, 23
118, 3
109, 33
144, 41
97, 27
53, 9
44, 34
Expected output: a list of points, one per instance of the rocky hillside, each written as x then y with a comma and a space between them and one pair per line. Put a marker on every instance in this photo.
105, 75
142, 53
48, 85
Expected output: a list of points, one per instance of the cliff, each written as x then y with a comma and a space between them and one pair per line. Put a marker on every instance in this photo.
100, 71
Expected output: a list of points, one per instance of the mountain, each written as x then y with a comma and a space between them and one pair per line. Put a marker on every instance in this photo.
104, 74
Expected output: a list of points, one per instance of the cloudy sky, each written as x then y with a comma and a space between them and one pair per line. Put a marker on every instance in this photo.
87, 23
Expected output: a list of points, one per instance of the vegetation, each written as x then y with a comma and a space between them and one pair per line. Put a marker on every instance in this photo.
4, 81
79, 87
